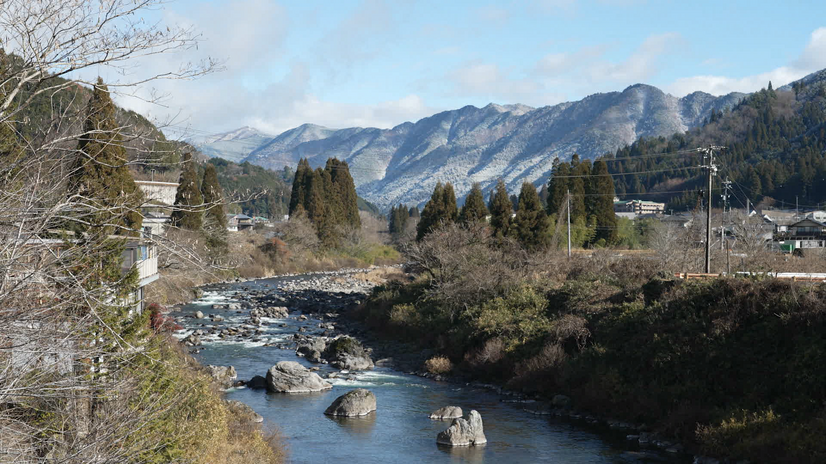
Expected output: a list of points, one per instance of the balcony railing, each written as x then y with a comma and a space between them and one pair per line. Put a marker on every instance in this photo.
147, 267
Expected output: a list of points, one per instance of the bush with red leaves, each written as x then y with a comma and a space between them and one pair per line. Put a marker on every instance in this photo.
159, 322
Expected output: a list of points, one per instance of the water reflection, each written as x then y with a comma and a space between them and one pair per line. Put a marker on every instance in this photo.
356, 426
464, 453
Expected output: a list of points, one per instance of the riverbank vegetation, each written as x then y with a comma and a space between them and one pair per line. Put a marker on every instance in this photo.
727, 366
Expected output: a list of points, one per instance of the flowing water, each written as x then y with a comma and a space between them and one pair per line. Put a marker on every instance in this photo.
400, 430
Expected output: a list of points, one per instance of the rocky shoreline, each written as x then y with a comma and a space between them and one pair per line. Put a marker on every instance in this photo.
331, 296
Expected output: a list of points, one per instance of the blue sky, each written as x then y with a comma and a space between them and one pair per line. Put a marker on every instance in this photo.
379, 63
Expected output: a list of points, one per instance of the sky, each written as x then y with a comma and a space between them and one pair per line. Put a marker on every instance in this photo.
379, 63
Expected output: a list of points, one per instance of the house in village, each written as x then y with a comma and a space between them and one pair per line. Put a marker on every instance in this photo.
803, 234
239, 222
159, 198
638, 207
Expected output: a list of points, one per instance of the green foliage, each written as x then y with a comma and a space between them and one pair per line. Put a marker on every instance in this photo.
247, 180
215, 220
440, 210
100, 171
602, 206
531, 226
501, 210
474, 209
213, 196
398, 220
329, 197
775, 142
519, 318
188, 213
558, 187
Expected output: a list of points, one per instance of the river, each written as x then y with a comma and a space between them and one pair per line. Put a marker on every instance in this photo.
400, 430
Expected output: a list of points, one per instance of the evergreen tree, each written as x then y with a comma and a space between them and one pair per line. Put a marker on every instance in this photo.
213, 197
544, 193
100, 172
603, 203
579, 184
300, 184
531, 224
501, 210
343, 193
414, 212
398, 220
101, 178
431, 214
441, 209
474, 209
451, 211
188, 200
328, 196
558, 187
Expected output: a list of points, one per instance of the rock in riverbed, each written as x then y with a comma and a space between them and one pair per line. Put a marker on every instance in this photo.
244, 411
257, 383
347, 353
358, 402
311, 349
292, 377
223, 374
447, 413
464, 432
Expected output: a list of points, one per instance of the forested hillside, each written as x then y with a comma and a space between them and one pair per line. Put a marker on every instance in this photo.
775, 152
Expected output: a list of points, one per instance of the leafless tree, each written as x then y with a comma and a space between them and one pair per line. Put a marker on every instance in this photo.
63, 397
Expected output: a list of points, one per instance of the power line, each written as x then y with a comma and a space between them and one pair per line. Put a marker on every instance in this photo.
616, 174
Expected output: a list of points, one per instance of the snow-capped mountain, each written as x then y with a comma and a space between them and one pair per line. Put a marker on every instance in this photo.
515, 142
234, 145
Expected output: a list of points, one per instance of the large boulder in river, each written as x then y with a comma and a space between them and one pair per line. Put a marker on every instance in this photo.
291, 377
358, 402
311, 349
347, 353
447, 413
257, 383
224, 375
464, 432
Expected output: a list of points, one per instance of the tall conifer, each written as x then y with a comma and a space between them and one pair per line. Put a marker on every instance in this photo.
558, 187
474, 209
501, 210
100, 172
188, 212
603, 203
433, 212
531, 224
213, 196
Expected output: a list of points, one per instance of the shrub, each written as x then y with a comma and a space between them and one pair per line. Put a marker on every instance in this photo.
438, 365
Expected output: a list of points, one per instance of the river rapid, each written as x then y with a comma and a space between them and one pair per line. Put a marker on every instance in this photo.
400, 430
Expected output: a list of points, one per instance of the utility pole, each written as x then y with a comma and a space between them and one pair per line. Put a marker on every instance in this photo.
724, 196
711, 170
568, 208
726, 188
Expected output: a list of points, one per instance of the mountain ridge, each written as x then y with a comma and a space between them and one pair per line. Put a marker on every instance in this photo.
471, 144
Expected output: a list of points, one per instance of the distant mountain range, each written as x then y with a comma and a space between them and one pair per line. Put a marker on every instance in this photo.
514, 142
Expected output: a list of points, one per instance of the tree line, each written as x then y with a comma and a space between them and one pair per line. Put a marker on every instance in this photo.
776, 152
327, 197
528, 219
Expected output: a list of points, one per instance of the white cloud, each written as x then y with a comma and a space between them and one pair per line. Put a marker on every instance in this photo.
811, 59
488, 80
641, 65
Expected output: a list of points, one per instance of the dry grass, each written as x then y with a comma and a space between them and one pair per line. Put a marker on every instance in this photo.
438, 365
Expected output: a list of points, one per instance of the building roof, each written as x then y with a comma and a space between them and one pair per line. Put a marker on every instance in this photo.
808, 222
